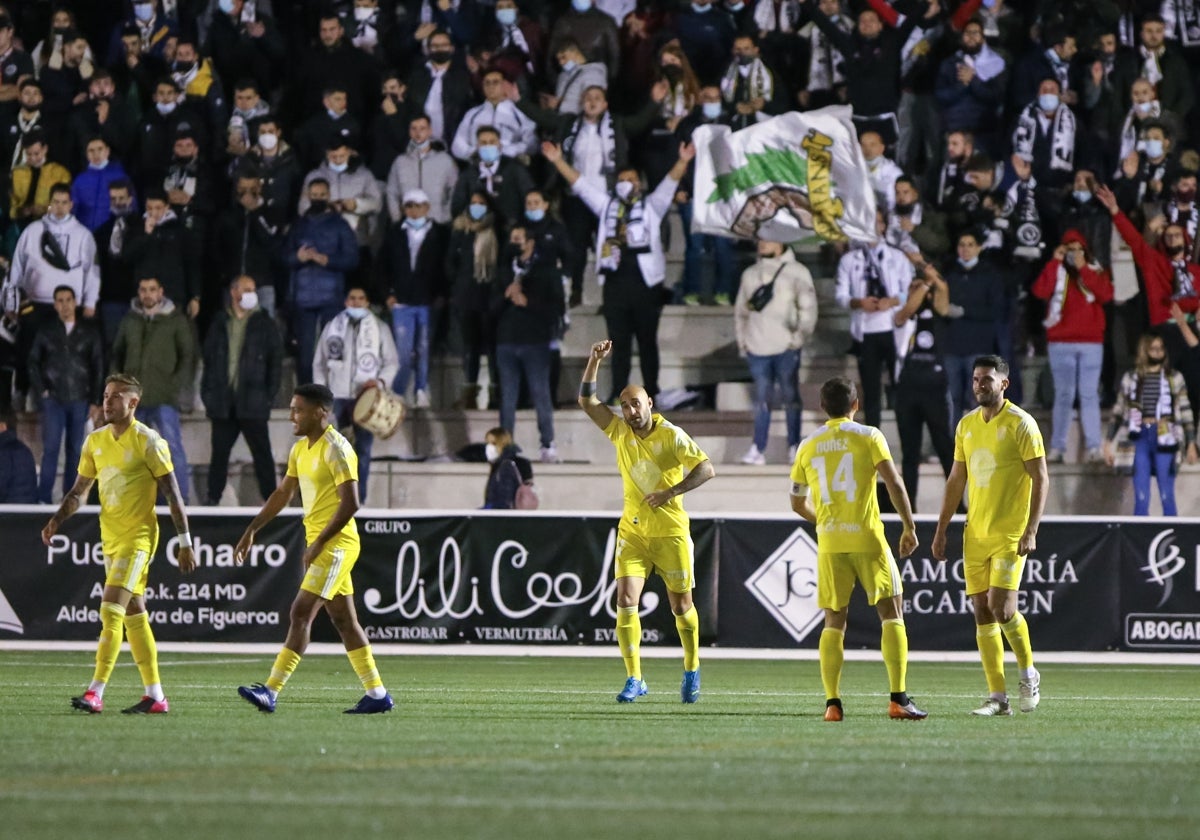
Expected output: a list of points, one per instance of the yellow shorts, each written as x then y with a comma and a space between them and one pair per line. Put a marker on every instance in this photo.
329, 574
671, 557
992, 563
837, 572
129, 572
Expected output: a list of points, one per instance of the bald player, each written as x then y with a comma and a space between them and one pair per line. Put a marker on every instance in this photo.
654, 534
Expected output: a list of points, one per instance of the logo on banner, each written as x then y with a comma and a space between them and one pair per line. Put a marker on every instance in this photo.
1163, 561
786, 584
8, 617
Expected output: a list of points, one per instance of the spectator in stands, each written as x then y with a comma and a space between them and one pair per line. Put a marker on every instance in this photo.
1045, 138
247, 244
163, 248
658, 149
514, 42
922, 392
1076, 289
243, 358
593, 31
389, 126
952, 177
505, 180
412, 266
158, 130
118, 287
355, 352
89, 190
774, 316
324, 129
32, 180
882, 171
373, 31
155, 31
748, 86
18, 472
1083, 213
470, 269
135, 71
334, 62
66, 376
872, 282
245, 43
915, 227
1053, 61
202, 91
705, 33
970, 90
353, 192
630, 262
248, 108
426, 166
105, 114
508, 469
1159, 63
190, 185
709, 111
1146, 172
1153, 408
527, 303
155, 344
457, 17
16, 66
27, 120
1144, 110
321, 250
576, 75
826, 66
977, 314
518, 133
1181, 208
61, 84
277, 165
440, 88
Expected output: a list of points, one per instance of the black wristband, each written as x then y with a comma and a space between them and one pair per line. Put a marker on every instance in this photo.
587, 389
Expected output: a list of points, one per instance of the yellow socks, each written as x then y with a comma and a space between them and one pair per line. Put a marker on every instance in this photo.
1017, 633
832, 655
363, 663
144, 649
894, 646
112, 633
284, 667
991, 653
629, 637
688, 626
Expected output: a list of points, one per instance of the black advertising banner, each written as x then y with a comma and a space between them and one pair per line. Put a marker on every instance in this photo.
1160, 586
1070, 593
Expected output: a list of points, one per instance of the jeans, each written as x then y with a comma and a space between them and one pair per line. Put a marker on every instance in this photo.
258, 438
164, 419
410, 326
1146, 460
58, 419
768, 371
876, 356
343, 412
695, 246
1076, 367
306, 327
959, 372
534, 361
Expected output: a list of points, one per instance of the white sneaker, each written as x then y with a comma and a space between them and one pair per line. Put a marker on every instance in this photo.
792, 450
754, 457
1054, 456
1030, 692
422, 399
549, 454
1094, 456
993, 708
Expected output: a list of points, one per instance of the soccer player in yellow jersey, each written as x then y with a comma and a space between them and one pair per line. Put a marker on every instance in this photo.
833, 486
1000, 460
132, 463
654, 534
323, 466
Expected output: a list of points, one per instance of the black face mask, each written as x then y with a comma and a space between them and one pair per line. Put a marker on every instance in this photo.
672, 72
441, 56
183, 66
972, 50
745, 60
1174, 252
905, 209
317, 206
1156, 360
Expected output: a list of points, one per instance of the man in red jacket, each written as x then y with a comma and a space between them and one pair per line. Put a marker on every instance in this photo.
1167, 277
1075, 288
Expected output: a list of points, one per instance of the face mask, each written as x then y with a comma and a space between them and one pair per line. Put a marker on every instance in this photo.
489, 153
700, 10
624, 190
357, 313
143, 11
165, 108
363, 13
1185, 196
441, 56
1144, 107
249, 301
989, 4
120, 209
491, 453
339, 167
872, 161
568, 66
672, 72
318, 206
183, 67
737, 8
1156, 360
904, 209
226, 6
535, 215
506, 17
268, 141
1154, 148
97, 166
581, 6
477, 211
971, 263
745, 60
1047, 101
417, 223
1082, 196
711, 110
1175, 251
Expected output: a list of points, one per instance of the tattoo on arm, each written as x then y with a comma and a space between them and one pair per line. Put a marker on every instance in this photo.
702, 473
170, 489
73, 499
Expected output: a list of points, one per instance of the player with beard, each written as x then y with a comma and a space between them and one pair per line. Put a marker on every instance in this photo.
654, 534
1000, 459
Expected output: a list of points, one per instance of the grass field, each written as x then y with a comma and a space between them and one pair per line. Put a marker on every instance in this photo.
530, 747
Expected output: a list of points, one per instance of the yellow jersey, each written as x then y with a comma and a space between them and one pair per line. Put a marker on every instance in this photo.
320, 467
836, 466
998, 487
127, 468
655, 462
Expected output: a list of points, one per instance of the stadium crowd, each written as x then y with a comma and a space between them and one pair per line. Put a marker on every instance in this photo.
365, 182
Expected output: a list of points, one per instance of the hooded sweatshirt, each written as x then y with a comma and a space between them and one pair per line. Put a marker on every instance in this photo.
1075, 311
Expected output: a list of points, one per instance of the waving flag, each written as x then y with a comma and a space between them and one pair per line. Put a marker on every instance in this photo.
781, 178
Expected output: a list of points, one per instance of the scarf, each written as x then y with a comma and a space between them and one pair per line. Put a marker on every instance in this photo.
1185, 14
366, 345
1184, 285
116, 242
988, 65
771, 16
485, 246
24, 126
1169, 433
1129, 130
1189, 220
183, 80
950, 181
1151, 69
608, 140
898, 237
755, 83
825, 62
1062, 136
366, 31
1060, 69
1024, 221
1058, 300
675, 103
873, 274
512, 38
489, 174
624, 226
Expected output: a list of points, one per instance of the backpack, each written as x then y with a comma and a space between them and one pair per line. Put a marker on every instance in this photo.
526, 497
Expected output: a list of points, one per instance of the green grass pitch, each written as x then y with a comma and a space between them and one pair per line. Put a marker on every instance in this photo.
537, 748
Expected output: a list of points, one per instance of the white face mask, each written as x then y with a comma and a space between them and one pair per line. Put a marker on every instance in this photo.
165, 108
249, 300
339, 167
363, 13
492, 453
357, 313
268, 141
624, 190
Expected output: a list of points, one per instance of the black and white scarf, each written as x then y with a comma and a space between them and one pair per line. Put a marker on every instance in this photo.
1024, 221
1058, 300
1060, 68
1183, 21
367, 349
366, 31
1132, 125
1062, 136
624, 228
513, 39
608, 141
770, 16
24, 126
1151, 69
1190, 220
489, 174
754, 83
1185, 286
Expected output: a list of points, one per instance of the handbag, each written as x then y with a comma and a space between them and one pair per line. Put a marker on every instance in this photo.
526, 497
761, 296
